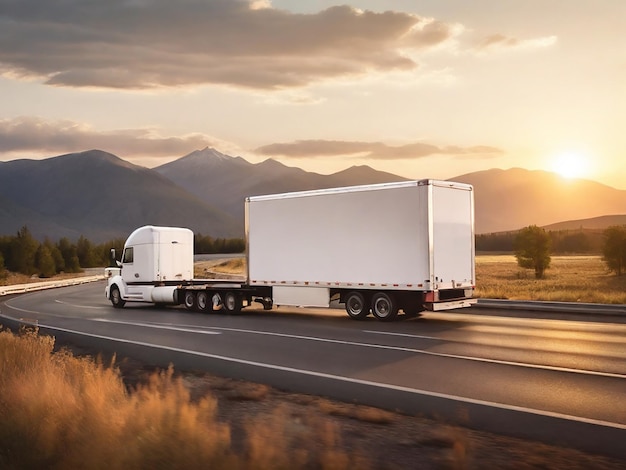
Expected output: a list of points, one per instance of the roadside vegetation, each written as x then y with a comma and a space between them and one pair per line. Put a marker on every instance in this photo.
571, 278
60, 411
581, 278
22, 256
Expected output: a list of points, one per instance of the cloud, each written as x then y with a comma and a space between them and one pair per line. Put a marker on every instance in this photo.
499, 42
143, 44
32, 134
372, 150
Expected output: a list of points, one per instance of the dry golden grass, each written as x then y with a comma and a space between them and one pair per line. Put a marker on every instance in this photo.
10, 278
59, 411
211, 269
569, 279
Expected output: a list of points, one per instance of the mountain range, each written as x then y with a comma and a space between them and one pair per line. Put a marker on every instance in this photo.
101, 196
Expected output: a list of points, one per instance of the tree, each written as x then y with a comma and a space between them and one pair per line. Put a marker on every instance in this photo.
3, 272
532, 249
57, 256
45, 262
70, 257
87, 256
614, 249
22, 251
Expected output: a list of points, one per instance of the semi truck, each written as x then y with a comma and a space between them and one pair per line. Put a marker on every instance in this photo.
375, 249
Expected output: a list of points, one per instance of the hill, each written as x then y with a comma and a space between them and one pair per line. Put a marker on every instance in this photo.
225, 182
595, 223
505, 199
515, 198
99, 195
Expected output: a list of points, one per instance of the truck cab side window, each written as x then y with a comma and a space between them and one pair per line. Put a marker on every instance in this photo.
128, 255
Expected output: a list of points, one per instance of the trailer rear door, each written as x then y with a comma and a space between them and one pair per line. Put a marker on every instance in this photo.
453, 235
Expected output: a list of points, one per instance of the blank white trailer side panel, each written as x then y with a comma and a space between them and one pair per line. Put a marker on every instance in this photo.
374, 236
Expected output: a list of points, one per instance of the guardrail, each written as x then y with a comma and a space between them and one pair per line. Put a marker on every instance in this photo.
34, 286
543, 306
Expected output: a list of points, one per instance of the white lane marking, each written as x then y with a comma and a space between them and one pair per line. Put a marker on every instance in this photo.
158, 326
396, 348
21, 310
402, 334
400, 388
81, 306
199, 330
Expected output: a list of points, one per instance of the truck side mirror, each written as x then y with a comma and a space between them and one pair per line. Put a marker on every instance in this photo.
113, 261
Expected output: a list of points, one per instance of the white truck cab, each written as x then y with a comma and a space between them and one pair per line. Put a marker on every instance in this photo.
155, 260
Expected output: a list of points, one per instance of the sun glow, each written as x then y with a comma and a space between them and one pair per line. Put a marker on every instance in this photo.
571, 165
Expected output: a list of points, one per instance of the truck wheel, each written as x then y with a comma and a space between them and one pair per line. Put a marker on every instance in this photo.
203, 301
116, 297
190, 300
384, 306
232, 302
216, 302
356, 306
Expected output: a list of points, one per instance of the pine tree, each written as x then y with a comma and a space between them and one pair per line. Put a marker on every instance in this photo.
22, 251
45, 262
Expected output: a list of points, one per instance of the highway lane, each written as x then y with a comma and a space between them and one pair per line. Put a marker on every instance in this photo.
555, 380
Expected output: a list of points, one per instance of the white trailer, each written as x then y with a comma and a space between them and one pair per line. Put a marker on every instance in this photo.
378, 249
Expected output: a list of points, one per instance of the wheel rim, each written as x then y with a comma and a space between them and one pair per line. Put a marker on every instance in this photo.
356, 305
382, 307
202, 300
115, 296
189, 299
229, 302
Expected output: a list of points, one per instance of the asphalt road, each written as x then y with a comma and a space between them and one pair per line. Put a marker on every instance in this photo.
559, 381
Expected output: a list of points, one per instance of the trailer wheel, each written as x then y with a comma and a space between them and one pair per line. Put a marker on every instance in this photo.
216, 302
232, 302
203, 301
190, 300
384, 306
356, 306
116, 297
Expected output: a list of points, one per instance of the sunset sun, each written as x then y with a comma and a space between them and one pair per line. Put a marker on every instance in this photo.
571, 165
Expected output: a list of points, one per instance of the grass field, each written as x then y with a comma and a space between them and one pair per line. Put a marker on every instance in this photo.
569, 279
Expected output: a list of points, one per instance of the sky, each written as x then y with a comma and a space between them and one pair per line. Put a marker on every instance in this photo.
422, 89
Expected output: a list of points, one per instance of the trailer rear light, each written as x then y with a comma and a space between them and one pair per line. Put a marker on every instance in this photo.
429, 297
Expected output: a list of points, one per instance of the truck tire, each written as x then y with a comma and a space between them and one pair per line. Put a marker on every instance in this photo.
232, 302
116, 297
190, 300
204, 302
384, 306
216, 302
357, 306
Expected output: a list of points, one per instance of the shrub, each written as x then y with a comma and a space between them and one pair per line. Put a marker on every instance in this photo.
532, 250
59, 411
614, 249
